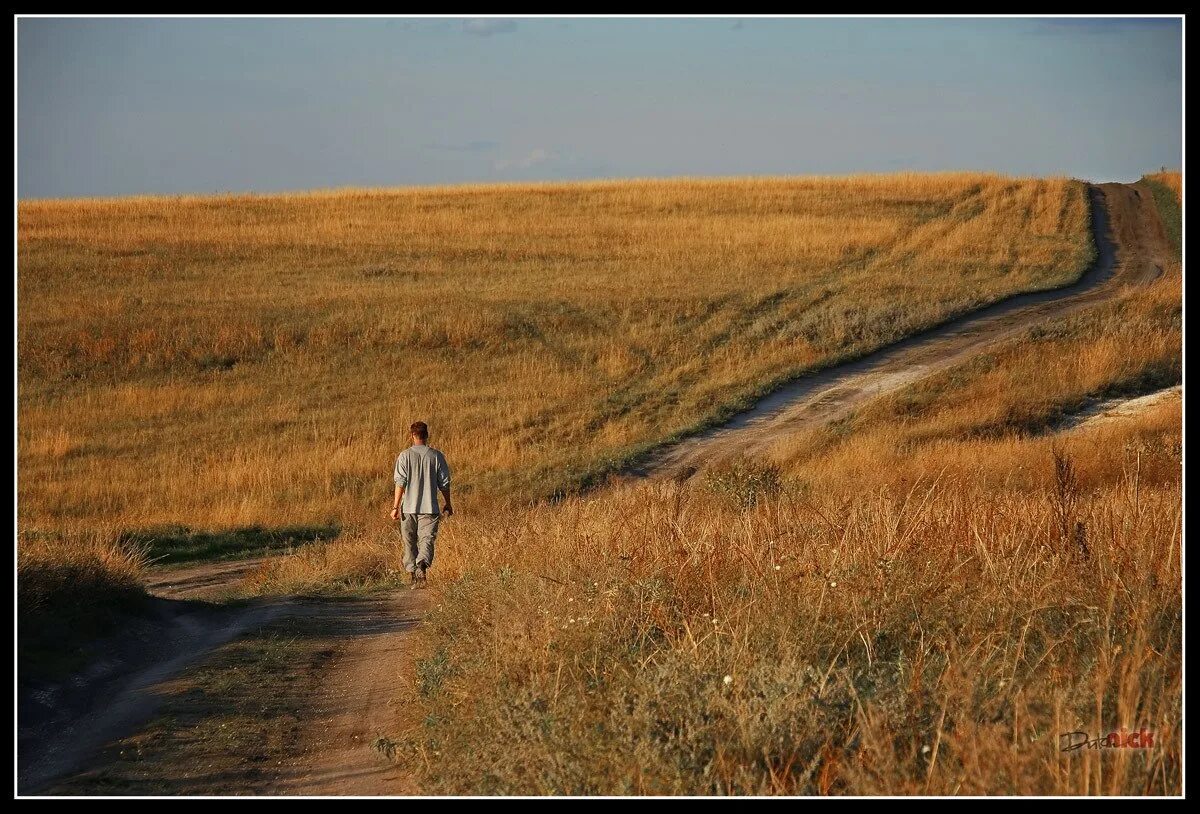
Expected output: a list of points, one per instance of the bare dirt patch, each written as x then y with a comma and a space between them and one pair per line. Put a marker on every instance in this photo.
1116, 409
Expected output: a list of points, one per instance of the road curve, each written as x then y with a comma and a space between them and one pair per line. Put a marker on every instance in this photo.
1131, 249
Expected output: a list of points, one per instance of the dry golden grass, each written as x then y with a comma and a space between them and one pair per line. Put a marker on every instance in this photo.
931, 638
219, 362
949, 618
81, 556
1171, 180
919, 600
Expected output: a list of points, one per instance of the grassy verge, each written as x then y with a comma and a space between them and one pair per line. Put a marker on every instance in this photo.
1167, 189
938, 641
358, 564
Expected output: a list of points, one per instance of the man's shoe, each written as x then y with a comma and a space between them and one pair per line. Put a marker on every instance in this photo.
414, 581
420, 572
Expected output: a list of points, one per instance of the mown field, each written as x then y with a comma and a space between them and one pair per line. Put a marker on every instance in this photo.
917, 599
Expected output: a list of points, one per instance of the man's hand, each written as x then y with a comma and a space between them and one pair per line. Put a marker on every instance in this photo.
395, 513
447, 509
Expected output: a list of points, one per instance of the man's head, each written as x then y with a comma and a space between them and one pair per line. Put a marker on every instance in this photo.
419, 431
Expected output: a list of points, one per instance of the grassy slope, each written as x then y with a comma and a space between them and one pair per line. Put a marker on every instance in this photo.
577, 649
224, 363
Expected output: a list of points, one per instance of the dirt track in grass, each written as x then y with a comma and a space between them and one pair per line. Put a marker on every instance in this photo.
1131, 249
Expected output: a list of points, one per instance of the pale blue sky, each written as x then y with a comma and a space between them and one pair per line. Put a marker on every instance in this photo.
116, 107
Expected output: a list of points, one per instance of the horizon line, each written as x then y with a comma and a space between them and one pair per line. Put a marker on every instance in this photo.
466, 186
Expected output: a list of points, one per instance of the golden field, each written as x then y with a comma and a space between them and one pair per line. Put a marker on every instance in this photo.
917, 599
225, 362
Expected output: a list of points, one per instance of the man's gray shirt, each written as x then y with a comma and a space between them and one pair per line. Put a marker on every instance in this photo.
421, 470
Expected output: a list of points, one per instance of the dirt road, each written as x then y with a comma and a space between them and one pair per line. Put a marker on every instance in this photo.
68, 732
356, 703
62, 726
208, 580
1132, 249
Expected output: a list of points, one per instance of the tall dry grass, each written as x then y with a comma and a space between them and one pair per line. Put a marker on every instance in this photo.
1171, 180
934, 636
231, 361
921, 599
936, 641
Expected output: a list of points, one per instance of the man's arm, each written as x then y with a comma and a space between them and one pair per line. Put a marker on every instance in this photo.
444, 483
396, 502
400, 476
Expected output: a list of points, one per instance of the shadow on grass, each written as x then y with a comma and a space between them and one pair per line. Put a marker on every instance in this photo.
63, 607
175, 544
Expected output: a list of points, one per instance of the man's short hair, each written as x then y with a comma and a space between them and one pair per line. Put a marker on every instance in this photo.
420, 430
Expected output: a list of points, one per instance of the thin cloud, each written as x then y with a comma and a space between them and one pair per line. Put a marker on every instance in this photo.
553, 163
487, 26
737, 26
533, 158
465, 147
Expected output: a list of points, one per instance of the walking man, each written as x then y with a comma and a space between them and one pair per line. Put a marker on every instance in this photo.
421, 472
